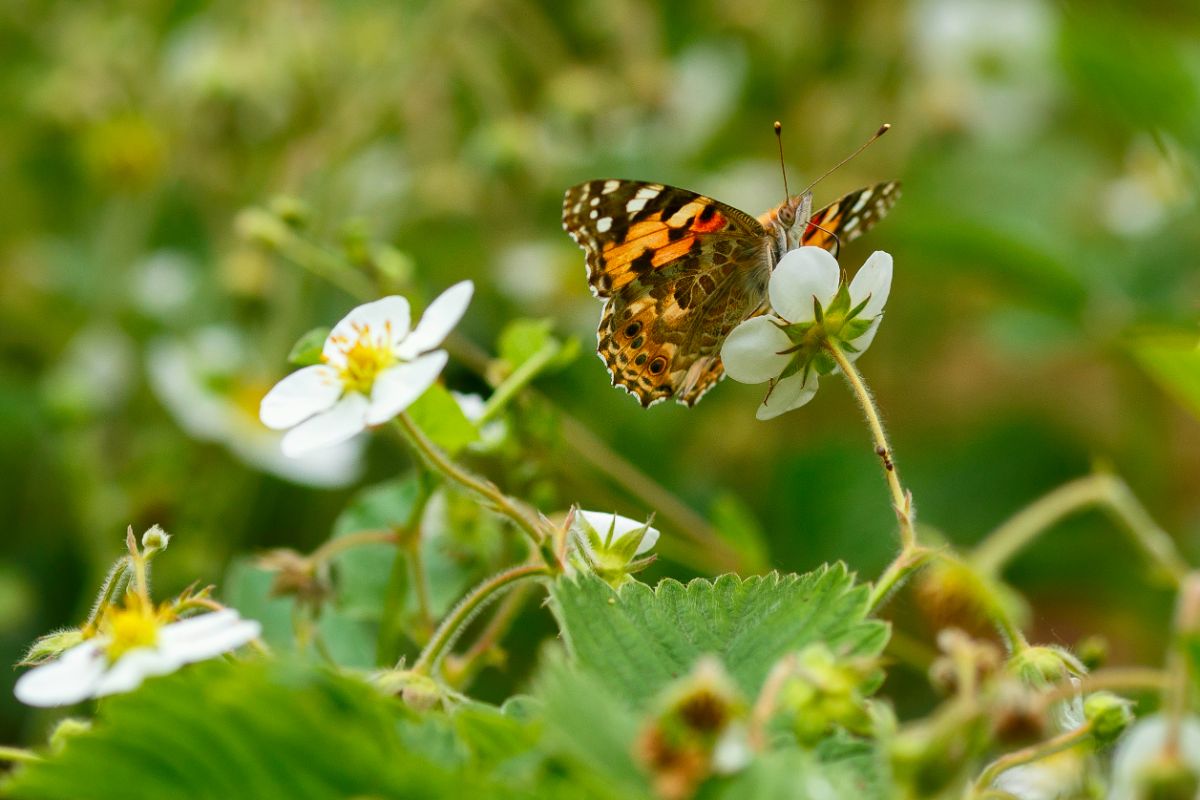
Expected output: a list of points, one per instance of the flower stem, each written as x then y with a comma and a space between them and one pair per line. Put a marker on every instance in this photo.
909, 560
901, 500
338, 544
472, 660
1027, 755
452, 626
524, 517
18, 755
1107, 491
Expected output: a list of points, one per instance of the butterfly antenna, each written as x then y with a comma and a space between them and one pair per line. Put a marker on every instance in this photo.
782, 168
882, 130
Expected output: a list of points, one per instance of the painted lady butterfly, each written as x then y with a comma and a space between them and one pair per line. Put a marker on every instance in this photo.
678, 271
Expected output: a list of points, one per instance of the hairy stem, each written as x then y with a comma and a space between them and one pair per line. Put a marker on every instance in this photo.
901, 500
521, 515
452, 626
339, 544
1106, 491
910, 559
1028, 755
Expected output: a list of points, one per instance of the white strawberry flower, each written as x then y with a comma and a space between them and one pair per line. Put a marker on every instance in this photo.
811, 305
132, 645
375, 366
609, 544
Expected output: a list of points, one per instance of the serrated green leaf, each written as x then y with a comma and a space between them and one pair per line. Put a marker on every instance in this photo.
1174, 362
247, 587
248, 729
637, 640
438, 415
307, 349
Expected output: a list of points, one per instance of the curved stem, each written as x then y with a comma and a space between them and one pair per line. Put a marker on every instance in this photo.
1107, 491
515, 510
910, 559
1028, 754
901, 500
18, 755
452, 626
336, 545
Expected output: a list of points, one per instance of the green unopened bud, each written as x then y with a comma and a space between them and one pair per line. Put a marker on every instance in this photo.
1108, 714
1045, 665
154, 539
291, 210
952, 593
1167, 778
261, 227
824, 693
418, 691
51, 646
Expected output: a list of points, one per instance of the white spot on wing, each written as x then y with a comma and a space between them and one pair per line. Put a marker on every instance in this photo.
862, 201
852, 224
610, 186
595, 201
594, 214
648, 193
636, 204
603, 224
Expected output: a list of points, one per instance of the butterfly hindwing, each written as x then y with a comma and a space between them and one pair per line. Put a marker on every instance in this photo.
850, 216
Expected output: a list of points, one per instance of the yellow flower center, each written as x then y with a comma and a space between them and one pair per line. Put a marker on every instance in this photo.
366, 357
128, 629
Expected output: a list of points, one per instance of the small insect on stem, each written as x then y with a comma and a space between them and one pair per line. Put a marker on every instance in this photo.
886, 458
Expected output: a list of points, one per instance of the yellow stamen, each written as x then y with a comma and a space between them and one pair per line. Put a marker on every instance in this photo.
366, 357
129, 627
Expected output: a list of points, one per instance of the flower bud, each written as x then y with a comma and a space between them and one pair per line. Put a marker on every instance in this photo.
291, 210
1108, 714
261, 227
608, 545
51, 646
418, 691
155, 539
953, 594
1044, 666
824, 693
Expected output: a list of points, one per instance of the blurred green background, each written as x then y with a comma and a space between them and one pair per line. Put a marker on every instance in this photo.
1042, 320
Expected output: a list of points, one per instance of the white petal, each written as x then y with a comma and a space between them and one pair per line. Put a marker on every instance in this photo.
397, 387
864, 341
874, 279
70, 678
601, 522
801, 275
790, 393
197, 626
134, 667
751, 351
203, 643
387, 319
300, 395
343, 421
438, 320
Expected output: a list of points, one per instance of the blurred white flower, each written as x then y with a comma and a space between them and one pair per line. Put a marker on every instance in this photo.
201, 382
95, 373
163, 284
375, 366
1144, 746
1153, 185
987, 67
132, 646
1051, 778
811, 304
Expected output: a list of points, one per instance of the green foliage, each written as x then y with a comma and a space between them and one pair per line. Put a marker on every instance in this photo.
1174, 362
240, 730
638, 639
438, 414
307, 349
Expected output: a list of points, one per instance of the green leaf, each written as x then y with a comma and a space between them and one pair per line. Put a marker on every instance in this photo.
794, 774
242, 729
438, 415
247, 587
307, 349
735, 523
523, 339
1174, 362
638, 640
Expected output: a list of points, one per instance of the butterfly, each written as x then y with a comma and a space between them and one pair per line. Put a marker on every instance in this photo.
678, 271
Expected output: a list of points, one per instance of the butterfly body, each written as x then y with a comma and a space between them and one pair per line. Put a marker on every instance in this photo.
678, 271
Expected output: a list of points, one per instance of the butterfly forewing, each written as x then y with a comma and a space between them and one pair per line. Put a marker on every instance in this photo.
679, 271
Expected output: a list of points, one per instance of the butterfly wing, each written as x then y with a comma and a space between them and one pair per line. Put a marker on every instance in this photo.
678, 270
850, 216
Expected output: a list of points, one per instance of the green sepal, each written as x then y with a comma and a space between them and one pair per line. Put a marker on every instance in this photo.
307, 350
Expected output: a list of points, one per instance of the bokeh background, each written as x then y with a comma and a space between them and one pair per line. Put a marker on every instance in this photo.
1042, 320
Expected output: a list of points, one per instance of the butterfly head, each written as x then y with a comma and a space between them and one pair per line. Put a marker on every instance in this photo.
789, 221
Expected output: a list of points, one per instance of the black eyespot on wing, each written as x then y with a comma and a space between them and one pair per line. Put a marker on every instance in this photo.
657, 365
633, 328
